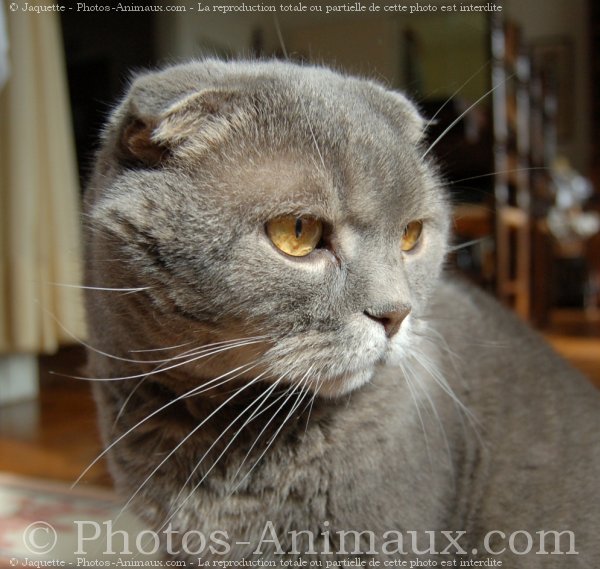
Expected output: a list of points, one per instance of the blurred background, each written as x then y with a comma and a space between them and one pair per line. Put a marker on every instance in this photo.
514, 95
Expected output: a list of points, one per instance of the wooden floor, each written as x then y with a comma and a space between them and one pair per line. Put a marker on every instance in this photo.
56, 437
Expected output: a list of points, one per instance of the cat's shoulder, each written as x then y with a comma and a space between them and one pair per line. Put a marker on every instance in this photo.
508, 360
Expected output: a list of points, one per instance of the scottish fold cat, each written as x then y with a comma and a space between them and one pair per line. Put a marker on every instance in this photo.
288, 373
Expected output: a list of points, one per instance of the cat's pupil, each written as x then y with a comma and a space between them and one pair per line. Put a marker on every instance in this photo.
298, 227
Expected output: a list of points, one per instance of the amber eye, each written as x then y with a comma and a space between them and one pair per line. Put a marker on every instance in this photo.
295, 235
411, 235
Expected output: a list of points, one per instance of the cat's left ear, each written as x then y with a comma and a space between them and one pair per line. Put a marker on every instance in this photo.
411, 119
402, 111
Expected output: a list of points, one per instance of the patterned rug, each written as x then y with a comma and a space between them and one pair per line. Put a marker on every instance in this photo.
44, 523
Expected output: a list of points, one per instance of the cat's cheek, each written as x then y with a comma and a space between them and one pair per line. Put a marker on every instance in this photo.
424, 264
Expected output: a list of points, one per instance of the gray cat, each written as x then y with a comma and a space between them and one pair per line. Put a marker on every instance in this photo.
290, 375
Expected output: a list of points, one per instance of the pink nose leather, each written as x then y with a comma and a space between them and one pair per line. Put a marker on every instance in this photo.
390, 320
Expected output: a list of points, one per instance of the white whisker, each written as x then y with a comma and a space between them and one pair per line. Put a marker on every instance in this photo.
318, 385
312, 132
430, 367
459, 118
425, 391
160, 369
127, 399
101, 288
280, 36
442, 344
206, 350
407, 377
451, 97
262, 399
161, 349
453, 182
130, 360
186, 438
245, 368
301, 395
287, 394
469, 243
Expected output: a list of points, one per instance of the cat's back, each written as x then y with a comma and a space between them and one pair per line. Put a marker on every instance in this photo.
536, 464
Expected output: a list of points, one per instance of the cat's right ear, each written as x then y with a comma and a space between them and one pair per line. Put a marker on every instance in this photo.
200, 121
138, 145
191, 125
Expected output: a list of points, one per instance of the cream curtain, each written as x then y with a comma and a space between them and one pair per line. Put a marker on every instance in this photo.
40, 240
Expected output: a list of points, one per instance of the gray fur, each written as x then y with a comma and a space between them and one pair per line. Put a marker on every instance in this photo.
509, 443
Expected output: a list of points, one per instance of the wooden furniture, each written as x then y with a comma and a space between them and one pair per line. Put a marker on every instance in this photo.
524, 101
594, 8
510, 80
543, 142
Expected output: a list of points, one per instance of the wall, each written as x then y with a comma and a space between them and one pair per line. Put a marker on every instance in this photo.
373, 51
183, 35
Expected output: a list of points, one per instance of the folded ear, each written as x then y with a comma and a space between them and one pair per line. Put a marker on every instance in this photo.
191, 125
402, 111
137, 145
407, 113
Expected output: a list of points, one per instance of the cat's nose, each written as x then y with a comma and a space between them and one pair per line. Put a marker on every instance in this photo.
389, 319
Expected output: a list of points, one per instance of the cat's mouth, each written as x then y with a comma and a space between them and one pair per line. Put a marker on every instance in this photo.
334, 363
330, 363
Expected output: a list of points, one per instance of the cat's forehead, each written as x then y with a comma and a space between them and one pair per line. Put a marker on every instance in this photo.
302, 135
332, 187
278, 138
290, 100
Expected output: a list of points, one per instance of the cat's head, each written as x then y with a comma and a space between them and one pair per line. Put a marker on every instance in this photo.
267, 200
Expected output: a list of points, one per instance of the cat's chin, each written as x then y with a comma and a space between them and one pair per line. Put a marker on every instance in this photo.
344, 384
